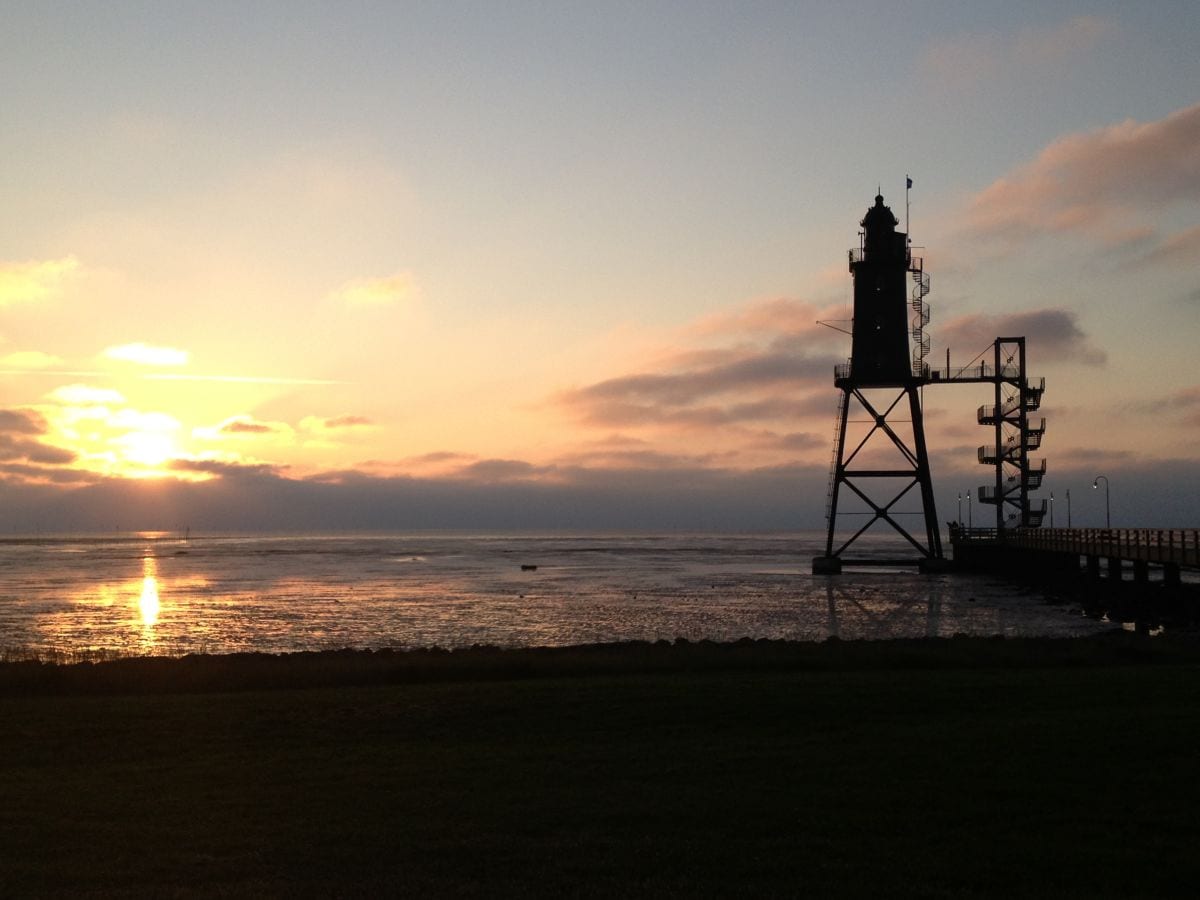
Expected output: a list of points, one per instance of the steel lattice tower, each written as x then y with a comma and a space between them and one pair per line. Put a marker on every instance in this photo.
880, 462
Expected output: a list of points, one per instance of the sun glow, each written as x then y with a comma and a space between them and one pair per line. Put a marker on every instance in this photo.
147, 449
148, 602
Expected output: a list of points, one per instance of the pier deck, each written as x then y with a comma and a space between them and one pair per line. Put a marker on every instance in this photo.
1172, 548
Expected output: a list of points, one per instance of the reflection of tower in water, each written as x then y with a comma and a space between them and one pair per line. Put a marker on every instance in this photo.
933, 612
835, 628
873, 608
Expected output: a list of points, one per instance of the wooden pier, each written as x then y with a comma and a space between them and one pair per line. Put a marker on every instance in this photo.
1060, 549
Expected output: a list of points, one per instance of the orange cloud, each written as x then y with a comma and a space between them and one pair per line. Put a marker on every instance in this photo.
778, 316
739, 388
1085, 182
336, 423
242, 425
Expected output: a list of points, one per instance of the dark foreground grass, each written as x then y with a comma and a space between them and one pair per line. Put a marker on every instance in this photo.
1051, 772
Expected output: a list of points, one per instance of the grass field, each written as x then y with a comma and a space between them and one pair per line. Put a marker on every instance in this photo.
934, 769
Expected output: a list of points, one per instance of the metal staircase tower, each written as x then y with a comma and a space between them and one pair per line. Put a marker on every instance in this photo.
1016, 434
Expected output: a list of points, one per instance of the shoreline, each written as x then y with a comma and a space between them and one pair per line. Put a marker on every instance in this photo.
253, 671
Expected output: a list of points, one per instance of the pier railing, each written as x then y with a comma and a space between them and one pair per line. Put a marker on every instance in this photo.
1171, 546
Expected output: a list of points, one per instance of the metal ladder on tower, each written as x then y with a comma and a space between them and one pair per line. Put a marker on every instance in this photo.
837, 450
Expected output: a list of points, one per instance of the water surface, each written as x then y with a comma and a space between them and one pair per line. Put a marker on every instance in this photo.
155, 594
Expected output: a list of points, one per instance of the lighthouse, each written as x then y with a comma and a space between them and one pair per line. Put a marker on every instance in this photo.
880, 474
880, 354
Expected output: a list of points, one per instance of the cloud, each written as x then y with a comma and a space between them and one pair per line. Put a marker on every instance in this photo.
1093, 456
757, 369
44, 454
1181, 249
966, 61
32, 360
692, 417
1087, 181
251, 496
437, 463
348, 422
438, 456
22, 421
226, 468
1060, 43
16, 444
23, 474
492, 471
336, 423
635, 459
390, 290
239, 497
106, 435
240, 425
781, 315
771, 377
738, 372
793, 441
241, 379
30, 282
1052, 334
146, 355
737, 388
1184, 403
86, 395
135, 420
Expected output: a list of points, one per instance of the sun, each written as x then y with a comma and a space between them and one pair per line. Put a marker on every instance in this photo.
147, 450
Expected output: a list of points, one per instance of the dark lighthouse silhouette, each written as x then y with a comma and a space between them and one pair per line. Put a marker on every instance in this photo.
880, 468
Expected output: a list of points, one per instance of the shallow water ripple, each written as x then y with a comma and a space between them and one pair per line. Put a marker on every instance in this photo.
150, 595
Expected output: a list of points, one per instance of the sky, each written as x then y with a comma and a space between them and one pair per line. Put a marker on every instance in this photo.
560, 266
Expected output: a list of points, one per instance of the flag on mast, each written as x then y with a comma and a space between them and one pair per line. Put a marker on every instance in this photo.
909, 180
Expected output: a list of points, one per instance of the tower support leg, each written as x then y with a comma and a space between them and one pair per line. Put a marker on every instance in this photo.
881, 487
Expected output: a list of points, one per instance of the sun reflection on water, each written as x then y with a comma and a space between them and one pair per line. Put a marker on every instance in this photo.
148, 603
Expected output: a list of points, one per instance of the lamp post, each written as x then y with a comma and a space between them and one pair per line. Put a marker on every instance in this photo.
1107, 507
1052, 509
1068, 507
960, 506
970, 519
